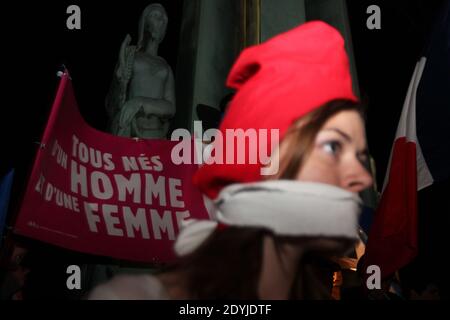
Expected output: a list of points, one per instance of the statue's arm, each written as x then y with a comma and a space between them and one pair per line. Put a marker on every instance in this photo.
117, 93
124, 70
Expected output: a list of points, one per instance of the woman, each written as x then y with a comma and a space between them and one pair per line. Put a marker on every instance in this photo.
272, 235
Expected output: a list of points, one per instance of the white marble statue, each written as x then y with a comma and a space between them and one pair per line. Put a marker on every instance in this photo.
141, 100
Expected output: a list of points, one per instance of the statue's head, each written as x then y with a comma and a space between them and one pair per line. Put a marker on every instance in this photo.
153, 24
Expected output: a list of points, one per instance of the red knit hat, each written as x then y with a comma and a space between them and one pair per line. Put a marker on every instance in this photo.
278, 82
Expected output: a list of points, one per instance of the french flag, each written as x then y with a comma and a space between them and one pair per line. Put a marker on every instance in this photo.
420, 156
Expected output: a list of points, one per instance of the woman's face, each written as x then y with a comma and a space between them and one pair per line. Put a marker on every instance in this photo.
338, 153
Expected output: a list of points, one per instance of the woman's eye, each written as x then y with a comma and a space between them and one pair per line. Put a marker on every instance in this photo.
332, 147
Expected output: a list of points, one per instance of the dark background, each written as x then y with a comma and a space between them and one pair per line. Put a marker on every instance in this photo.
385, 61
36, 42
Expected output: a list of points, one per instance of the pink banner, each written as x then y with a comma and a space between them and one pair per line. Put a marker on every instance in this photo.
101, 194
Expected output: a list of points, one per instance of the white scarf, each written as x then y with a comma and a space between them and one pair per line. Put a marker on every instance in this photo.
285, 207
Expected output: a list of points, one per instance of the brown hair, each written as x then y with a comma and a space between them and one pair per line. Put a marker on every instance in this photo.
228, 264
225, 266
